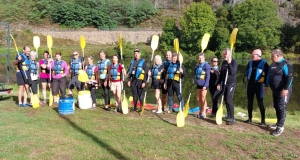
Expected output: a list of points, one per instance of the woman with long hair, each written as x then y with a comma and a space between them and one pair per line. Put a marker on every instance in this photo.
92, 71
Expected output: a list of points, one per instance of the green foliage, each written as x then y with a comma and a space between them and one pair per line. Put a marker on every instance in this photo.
198, 19
170, 32
258, 24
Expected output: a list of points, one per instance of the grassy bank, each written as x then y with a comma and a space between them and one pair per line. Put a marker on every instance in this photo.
42, 133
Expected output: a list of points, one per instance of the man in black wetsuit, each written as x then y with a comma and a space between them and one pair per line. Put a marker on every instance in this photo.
229, 65
256, 72
137, 78
280, 79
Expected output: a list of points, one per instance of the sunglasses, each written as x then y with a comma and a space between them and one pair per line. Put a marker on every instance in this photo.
75, 54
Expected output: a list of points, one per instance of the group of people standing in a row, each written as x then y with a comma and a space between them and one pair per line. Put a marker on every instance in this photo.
165, 75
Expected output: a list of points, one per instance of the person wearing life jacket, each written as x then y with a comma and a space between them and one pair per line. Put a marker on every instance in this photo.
59, 69
172, 78
164, 92
156, 73
229, 65
114, 79
202, 77
137, 78
256, 72
75, 65
102, 64
23, 76
44, 76
280, 78
33, 70
92, 71
213, 82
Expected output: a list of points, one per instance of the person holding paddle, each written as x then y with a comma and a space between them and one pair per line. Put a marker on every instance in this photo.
59, 70
92, 72
228, 72
45, 76
22, 67
33, 69
157, 74
202, 76
280, 80
114, 79
75, 65
137, 78
174, 73
256, 72
213, 82
103, 63
163, 90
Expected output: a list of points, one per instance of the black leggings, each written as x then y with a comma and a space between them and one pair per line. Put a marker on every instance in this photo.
138, 92
228, 96
106, 92
280, 105
92, 89
174, 86
59, 84
258, 90
215, 94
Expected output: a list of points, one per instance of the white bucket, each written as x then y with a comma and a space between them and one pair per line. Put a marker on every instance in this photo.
84, 100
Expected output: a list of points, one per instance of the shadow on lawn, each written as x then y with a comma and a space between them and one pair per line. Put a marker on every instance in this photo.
165, 120
114, 152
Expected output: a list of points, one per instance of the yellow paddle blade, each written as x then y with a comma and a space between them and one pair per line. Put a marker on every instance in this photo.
180, 59
50, 99
120, 40
49, 44
82, 42
35, 101
186, 109
273, 121
204, 41
233, 37
124, 104
15, 43
180, 121
154, 42
38, 92
143, 107
219, 115
176, 45
82, 76
36, 42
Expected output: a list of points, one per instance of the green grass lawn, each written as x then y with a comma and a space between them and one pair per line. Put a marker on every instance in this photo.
42, 133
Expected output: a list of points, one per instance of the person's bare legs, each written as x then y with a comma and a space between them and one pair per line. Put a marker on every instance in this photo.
158, 100
20, 93
25, 93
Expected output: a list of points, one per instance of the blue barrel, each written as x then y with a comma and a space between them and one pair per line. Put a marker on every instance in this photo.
66, 105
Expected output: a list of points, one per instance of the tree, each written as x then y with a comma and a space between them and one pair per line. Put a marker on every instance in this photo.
198, 19
258, 24
170, 32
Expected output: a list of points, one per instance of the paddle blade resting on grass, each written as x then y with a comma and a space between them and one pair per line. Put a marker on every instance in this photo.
219, 115
143, 107
233, 38
124, 104
154, 44
50, 99
180, 121
35, 101
204, 41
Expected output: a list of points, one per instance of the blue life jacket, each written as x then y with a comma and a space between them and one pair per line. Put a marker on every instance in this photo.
58, 69
155, 72
173, 71
102, 66
277, 74
114, 74
76, 65
25, 65
199, 73
166, 63
90, 71
260, 73
139, 71
33, 67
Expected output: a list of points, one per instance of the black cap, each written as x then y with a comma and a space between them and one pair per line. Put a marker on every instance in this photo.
136, 50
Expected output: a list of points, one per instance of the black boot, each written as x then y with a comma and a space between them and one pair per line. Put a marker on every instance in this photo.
231, 122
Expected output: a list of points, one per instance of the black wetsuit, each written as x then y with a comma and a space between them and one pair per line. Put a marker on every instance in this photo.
136, 84
256, 73
280, 77
214, 93
230, 85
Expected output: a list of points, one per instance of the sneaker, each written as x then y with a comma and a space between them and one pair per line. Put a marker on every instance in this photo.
154, 111
278, 131
159, 112
21, 105
201, 116
27, 105
107, 109
248, 121
273, 126
168, 112
133, 109
212, 116
116, 110
231, 122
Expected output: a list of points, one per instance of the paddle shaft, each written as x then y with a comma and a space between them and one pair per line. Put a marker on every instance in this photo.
224, 87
